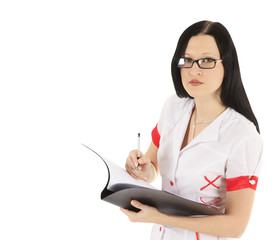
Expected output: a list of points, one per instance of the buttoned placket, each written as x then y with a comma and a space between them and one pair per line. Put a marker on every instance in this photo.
172, 183
211, 133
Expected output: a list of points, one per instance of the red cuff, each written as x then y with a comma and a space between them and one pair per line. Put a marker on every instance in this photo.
156, 136
242, 182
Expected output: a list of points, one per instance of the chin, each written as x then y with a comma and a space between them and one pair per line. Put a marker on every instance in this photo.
200, 92
195, 93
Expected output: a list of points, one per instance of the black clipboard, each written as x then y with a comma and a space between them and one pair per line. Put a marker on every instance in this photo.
122, 193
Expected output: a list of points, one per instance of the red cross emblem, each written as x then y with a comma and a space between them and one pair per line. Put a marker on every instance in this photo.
210, 183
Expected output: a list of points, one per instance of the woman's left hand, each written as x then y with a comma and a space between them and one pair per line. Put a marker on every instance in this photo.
146, 214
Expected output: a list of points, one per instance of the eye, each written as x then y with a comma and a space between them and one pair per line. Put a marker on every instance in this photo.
208, 60
188, 60
185, 62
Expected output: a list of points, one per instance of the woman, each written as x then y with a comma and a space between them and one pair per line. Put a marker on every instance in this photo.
206, 144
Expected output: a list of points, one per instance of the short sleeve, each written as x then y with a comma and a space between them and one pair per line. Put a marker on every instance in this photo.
156, 136
244, 163
156, 132
173, 109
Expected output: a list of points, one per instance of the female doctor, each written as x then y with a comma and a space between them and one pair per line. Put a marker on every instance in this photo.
206, 144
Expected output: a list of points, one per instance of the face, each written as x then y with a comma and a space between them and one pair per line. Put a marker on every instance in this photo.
202, 82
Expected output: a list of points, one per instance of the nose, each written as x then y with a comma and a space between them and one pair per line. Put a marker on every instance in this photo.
195, 70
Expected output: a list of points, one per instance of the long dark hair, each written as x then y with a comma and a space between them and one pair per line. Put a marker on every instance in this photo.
232, 90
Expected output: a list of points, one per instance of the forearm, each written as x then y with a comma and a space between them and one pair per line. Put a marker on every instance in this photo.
218, 225
152, 154
232, 224
152, 174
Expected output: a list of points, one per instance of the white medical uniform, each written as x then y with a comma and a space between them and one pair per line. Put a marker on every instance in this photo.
225, 156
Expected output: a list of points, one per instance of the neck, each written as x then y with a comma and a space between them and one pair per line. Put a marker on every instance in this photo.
208, 109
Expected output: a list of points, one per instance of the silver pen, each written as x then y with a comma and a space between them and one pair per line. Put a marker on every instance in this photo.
138, 155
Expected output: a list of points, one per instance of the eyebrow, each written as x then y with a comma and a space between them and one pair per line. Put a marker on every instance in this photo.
205, 53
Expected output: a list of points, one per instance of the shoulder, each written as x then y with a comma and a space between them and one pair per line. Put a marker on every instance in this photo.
244, 145
173, 110
239, 128
176, 104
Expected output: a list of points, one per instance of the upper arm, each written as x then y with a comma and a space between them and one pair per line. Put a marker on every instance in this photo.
152, 154
242, 177
239, 205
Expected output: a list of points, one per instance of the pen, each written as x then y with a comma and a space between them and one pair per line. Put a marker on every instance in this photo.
138, 155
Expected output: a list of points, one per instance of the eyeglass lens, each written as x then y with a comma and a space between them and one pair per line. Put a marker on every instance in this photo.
202, 63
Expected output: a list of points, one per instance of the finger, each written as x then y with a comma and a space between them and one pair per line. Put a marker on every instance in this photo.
138, 175
130, 214
132, 171
138, 204
131, 164
134, 175
144, 160
133, 158
135, 172
131, 168
125, 211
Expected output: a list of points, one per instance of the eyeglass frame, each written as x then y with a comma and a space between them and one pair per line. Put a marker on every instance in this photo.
197, 61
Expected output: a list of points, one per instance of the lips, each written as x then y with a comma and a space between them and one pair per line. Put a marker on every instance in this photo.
195, 82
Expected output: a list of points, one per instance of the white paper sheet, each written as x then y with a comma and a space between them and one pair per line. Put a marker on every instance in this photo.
119, 175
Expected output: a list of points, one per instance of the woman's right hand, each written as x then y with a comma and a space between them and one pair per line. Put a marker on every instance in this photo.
145, 167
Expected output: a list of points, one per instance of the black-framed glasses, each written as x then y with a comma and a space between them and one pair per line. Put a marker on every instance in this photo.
203, 63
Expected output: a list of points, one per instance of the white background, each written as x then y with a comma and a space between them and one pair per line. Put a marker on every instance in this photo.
98, 72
